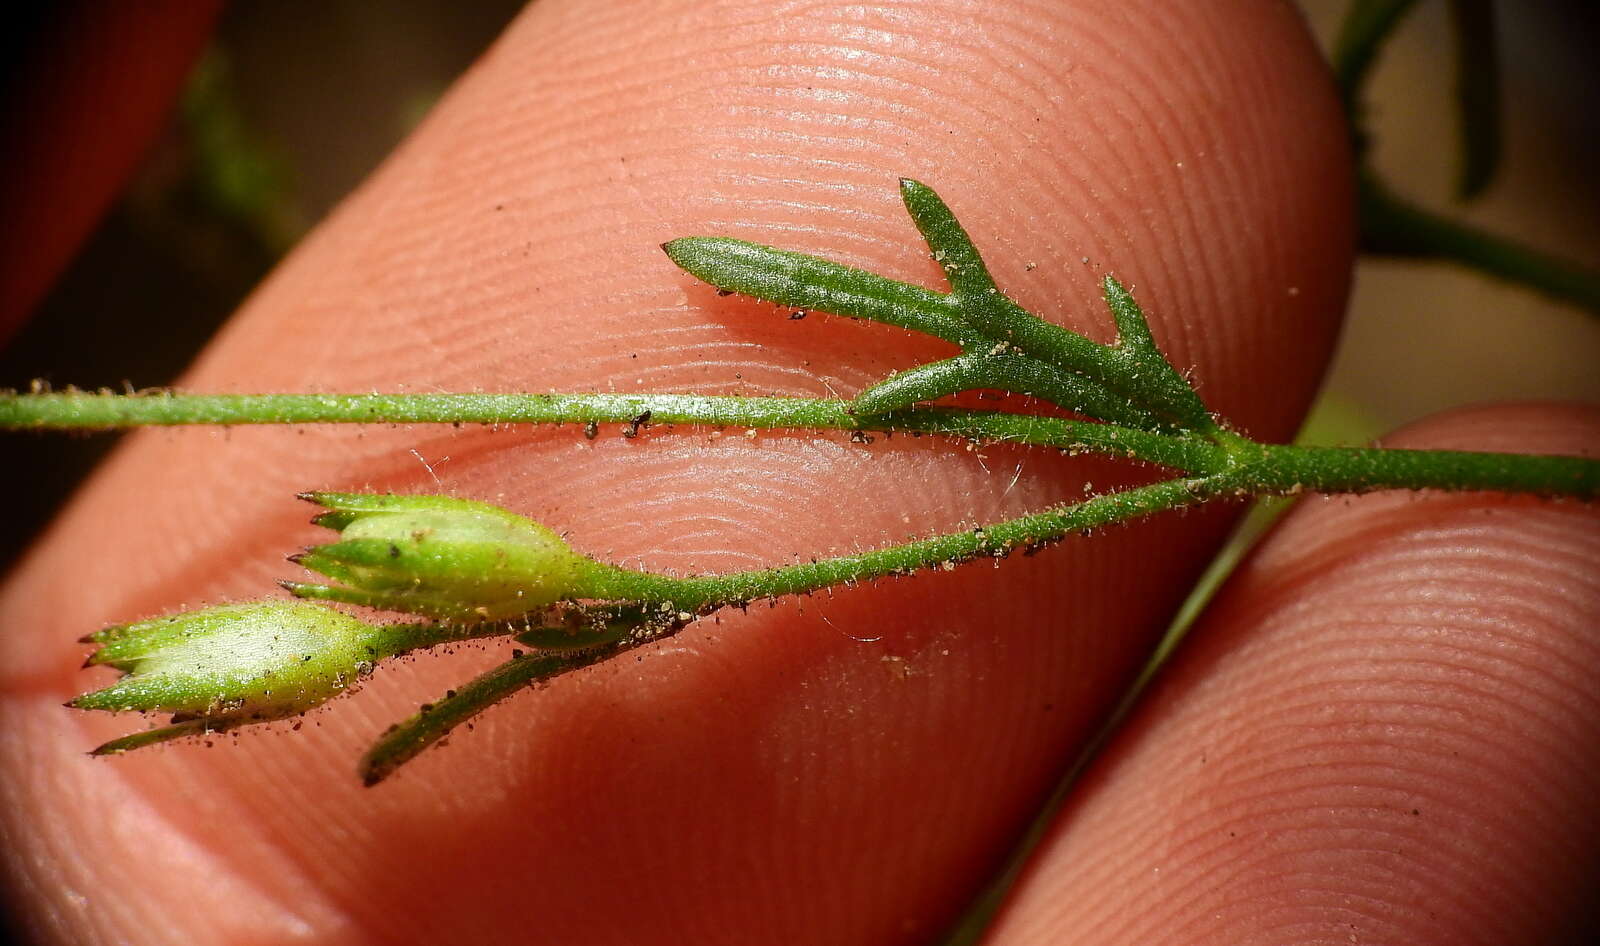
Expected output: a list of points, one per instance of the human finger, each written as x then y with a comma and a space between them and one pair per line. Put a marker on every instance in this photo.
1384, 730
840, 769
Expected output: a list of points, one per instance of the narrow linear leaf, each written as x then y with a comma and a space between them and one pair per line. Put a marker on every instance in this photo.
433, 722
1005, 321
923, 383
947, 240
150, 737
807, 282
315, 592
1073, 392
1011, 372
994, 315
576, 639
1133, 330
1157, 375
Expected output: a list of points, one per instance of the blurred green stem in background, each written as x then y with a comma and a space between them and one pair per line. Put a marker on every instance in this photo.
1394, 226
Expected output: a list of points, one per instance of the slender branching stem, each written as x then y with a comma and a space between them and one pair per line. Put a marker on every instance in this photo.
395, 640
1276, 467
433, 721
665, 604
1291, 469
1025, 533
105, 411
673, 600
480, 571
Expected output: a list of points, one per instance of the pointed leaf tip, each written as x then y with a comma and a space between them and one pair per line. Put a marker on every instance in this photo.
150, 737
1133, 330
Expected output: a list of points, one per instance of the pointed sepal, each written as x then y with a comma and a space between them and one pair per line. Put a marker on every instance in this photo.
440, 557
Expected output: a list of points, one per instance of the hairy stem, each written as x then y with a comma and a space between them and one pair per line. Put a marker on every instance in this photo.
87, 411
709, 592
1251, 469
1364, 470
1254, 470
398, 639
432, 722
1325, 469
677, 599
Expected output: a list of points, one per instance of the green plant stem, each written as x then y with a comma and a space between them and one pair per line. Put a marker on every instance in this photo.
1396, 227
1251, 469
433, 721
1275, 468
807, 282
1256, 470
397, 639
1290, 469
90, 411
704, 593
83, 410
675, 600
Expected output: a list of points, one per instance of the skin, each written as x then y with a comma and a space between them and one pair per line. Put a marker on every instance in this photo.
846, 768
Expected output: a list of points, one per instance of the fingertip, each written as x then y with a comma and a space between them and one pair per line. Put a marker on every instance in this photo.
1555, 427
1385, 727
1172, 143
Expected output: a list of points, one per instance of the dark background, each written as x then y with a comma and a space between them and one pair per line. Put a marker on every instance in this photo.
291, 107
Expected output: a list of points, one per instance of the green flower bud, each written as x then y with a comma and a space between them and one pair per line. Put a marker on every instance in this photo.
235, 663
446, 558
